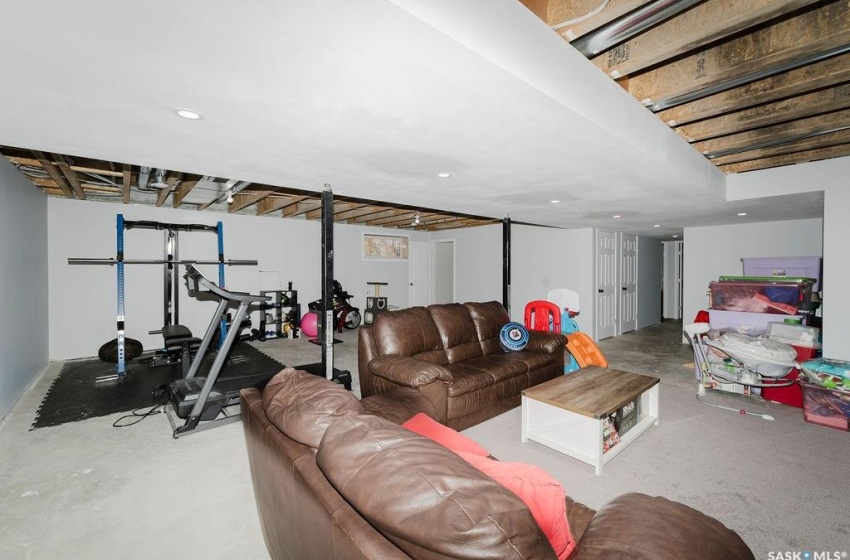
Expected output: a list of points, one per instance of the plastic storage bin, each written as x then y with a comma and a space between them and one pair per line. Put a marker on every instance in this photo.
742, 322
795, 335
826, 407
805, 267
738, 293
792, 395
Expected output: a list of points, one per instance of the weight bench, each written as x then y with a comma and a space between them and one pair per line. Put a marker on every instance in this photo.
178, 346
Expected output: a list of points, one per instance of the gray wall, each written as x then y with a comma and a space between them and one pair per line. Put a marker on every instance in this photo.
23, 284
650, 280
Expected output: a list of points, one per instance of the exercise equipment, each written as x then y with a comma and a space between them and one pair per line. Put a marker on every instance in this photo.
202, 399
171, 280
310, 324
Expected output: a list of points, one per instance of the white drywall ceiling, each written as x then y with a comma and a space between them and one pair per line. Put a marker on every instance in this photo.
374, 97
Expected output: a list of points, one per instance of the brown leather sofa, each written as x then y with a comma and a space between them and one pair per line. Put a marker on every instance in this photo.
338, 478
452, 354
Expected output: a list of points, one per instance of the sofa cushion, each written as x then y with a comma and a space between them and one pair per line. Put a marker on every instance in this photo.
544, 496
457, 331
303, 405
409, 332
489, 318
641, 527
399, 405
423, 497
482, 372
426, 426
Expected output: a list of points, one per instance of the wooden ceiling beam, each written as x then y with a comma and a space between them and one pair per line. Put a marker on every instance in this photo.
71, 175
339, 207
406, 217
385, 213
692, 29
814, 31
173, 182
457, 224
300, 208
276, 202
246, 198
184, 189
352, 215
816, 143
790, 159
126, 182
824, 74
57, 177
24, 161
790, 109
774, 135
558, 12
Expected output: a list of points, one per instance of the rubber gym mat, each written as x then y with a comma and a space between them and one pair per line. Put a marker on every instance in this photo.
88, 388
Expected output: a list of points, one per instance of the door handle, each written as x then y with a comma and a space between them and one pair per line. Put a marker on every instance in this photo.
601, 291
625, 288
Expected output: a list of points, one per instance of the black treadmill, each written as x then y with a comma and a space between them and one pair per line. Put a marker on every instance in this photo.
202, 402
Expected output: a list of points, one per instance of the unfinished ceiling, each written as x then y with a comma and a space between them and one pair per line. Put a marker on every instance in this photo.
377, 98
87, 179
749, 84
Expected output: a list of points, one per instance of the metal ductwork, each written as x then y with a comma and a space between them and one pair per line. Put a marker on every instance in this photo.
158, 181
630, 25
144, 175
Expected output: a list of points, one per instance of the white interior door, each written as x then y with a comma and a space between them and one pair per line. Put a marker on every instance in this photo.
606, 284
444, 271
628, 282
420, 273
672, 298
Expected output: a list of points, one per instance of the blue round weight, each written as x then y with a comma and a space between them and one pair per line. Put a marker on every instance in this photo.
513, 337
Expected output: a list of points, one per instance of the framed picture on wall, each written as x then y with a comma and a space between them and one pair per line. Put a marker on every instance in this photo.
385, 247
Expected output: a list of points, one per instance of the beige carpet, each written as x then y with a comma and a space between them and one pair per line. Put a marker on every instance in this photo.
782, 485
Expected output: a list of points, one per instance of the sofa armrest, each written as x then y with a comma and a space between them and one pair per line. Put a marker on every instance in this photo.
408, 372
545, 341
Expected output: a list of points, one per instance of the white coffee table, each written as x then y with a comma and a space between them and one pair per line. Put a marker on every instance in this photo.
567, 413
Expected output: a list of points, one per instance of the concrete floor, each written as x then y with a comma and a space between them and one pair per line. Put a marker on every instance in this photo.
88, 490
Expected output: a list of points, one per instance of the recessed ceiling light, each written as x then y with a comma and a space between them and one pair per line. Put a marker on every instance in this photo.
617, 216
554, 201
444, 175
657, 225
188, 114
742, 213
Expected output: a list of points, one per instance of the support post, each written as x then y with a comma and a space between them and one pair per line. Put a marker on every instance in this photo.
327, 281
506, 263
119, 270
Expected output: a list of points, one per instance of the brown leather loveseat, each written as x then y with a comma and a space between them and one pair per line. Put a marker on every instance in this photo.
338, 478
452, 354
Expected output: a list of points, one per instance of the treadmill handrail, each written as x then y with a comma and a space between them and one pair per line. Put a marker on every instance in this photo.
196, 276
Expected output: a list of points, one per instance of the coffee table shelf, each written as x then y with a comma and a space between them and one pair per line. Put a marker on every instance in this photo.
567, 413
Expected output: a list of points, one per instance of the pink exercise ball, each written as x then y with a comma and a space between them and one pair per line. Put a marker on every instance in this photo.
310, 324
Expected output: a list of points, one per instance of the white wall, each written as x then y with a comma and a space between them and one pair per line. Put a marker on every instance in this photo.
650, 281
541, 259
829, 176
23, 284
83, 298
714, 251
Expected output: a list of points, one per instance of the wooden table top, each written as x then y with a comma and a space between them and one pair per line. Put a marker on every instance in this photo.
592, 391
